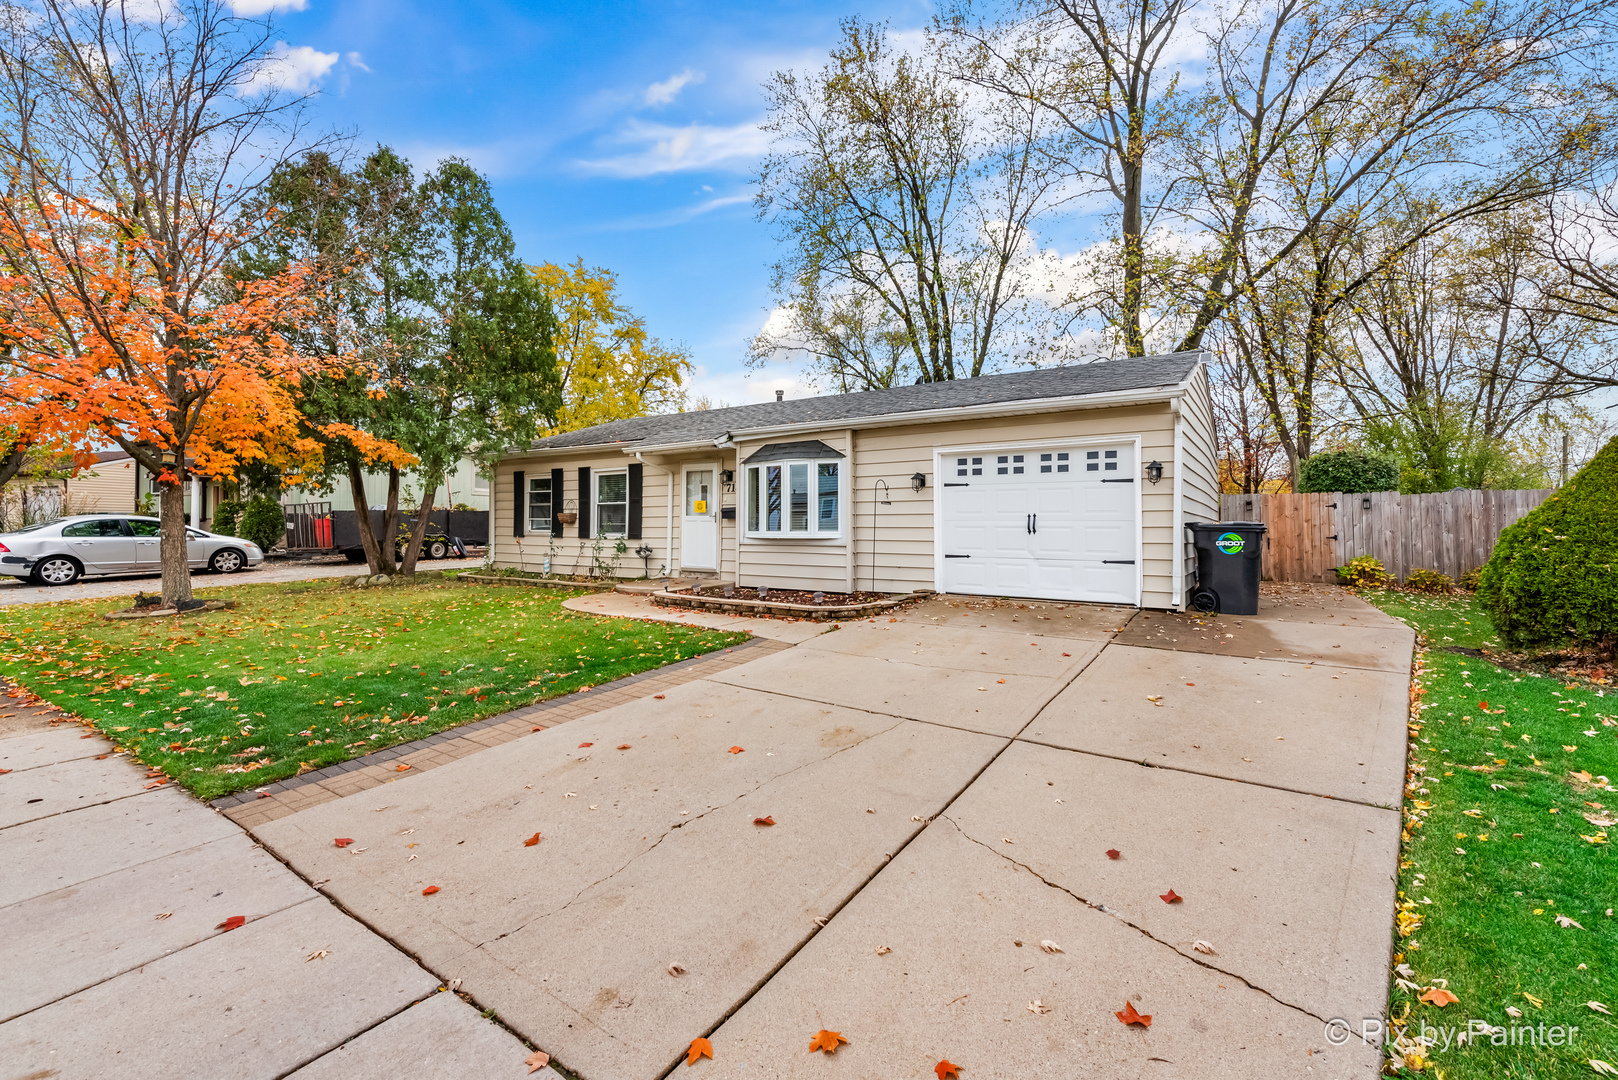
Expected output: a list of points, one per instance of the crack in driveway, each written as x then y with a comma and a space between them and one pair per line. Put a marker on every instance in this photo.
1133, 926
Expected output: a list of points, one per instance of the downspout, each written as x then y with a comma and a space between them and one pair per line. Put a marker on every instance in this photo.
1178, 546
848, 509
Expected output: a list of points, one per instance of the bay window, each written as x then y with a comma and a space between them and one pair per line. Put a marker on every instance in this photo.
794, 498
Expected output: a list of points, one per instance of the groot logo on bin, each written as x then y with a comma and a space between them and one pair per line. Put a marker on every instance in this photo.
1231, 543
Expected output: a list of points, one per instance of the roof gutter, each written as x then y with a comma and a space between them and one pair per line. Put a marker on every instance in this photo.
1148, 396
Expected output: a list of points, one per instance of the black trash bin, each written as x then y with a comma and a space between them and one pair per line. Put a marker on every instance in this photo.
1229, 557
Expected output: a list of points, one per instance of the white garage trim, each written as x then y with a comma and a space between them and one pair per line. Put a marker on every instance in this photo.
1177, 537
940, 471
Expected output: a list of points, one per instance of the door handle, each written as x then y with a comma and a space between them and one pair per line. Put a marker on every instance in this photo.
1028, 523
1036, 524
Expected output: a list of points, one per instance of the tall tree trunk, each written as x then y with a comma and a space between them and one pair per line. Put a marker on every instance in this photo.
419, 532
1134, 246
171, 546
362, 518
390, 523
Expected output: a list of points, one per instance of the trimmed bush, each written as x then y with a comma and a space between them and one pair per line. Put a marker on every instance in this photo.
1363, 572
1428, 581
227, 517
1347, 471
1469, 580
1553, 577
264, 522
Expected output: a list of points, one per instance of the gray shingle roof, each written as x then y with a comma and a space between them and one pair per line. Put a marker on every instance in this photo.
1077, 380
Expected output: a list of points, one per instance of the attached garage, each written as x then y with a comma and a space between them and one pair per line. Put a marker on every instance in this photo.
1060, 522
1068, 484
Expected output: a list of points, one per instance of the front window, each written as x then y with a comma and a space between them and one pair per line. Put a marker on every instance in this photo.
539, 504
612, 504
793, 498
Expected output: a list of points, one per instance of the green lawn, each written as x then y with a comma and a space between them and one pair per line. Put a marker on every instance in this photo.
1508, 815
307, 674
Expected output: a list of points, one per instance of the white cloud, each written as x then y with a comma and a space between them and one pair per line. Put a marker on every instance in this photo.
679, 215
661, 93
356, 60
664, 149
296, 69
250, 8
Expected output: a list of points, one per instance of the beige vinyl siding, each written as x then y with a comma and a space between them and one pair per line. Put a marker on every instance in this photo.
569, 553
788, 563
108, 487
1199, 478
904, 553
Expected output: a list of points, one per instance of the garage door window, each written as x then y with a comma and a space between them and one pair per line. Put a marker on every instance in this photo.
793, 498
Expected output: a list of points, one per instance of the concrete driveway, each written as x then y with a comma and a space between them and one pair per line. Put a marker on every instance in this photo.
15, 590
947, 787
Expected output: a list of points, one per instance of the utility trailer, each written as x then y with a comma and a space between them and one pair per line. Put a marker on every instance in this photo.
314, 528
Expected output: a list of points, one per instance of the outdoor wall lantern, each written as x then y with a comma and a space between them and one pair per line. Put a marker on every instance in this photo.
727, 475
918, 482
1154, 471
1365, 503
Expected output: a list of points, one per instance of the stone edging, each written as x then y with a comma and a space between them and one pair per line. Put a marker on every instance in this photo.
540, 583
737, 605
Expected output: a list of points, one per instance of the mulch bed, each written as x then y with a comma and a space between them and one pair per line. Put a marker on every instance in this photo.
789, 596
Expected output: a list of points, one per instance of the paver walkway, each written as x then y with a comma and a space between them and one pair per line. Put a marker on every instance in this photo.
945, 786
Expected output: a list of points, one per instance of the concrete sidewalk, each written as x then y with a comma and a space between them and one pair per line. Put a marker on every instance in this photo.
112, 900
945, 786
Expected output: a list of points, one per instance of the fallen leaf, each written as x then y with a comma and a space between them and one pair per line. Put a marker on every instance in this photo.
320, 954
1204, 948
1114, 853
827, 1041
1564, 922
676, 970
883, 950
1050, 946
657, 697
585, 745
537, 1061
764, 820
531, 841
1537, 1003
163, 914
401, 767
700, 1048
343, 841
736, 750
1596, 1006
947, 1068
999, 680
1601, 1068
1129, 1016
625, 746
1514, 1012
1171, 897
1437, 995
429, 890
1038, 1007
232, 923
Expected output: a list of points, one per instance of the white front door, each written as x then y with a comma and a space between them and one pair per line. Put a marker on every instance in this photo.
699, 522
1058, 523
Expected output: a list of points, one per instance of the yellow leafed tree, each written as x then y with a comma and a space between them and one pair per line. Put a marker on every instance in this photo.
611, 369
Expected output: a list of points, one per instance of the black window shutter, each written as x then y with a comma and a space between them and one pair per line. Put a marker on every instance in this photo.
584, 502
556, 501
519, 497
633, 532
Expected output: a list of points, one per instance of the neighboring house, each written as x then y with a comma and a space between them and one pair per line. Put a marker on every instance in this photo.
462, 487
1031, 484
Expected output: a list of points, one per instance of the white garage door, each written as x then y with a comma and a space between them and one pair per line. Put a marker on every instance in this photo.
1056, 523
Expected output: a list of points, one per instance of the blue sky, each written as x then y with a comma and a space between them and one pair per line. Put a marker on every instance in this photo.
623, 133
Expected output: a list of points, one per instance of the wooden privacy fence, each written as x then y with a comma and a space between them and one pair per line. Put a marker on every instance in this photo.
1450, 531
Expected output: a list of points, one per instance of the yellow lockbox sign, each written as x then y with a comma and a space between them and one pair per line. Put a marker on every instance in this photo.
700, 506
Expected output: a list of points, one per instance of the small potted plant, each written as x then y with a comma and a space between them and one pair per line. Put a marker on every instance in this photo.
568, 516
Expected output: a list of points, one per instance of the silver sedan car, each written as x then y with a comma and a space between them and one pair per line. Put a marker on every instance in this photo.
60, 552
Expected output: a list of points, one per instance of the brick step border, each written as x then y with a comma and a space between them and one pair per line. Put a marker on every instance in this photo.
739, 605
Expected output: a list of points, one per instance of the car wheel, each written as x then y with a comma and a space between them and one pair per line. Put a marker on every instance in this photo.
57, 570
438, 549
226, 561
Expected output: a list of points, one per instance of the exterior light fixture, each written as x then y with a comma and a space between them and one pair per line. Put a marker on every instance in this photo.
1154, 471
1365, 503
167, 457
918, 482
727, 476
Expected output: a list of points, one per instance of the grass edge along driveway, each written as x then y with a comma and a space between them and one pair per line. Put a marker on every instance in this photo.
308, 674
1507, 878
